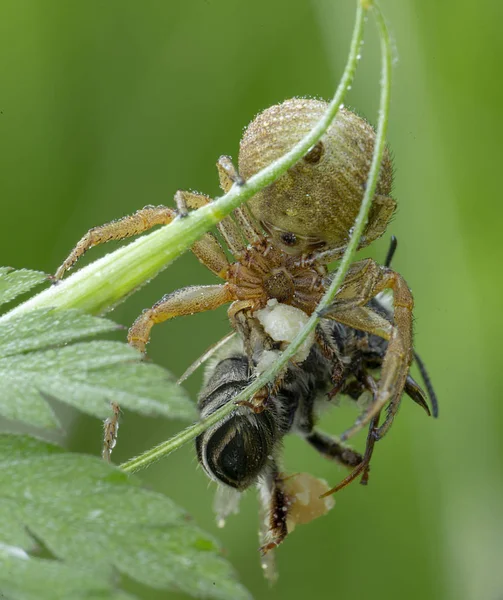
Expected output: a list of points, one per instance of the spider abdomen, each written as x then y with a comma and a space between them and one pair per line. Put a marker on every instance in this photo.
318, 199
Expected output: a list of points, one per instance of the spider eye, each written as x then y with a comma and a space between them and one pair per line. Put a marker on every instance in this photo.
315, 153
288, 238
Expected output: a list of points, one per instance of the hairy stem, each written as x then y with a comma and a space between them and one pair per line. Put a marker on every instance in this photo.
193, 431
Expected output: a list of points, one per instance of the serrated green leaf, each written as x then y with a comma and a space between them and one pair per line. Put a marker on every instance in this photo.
90, 514
13, 283
35, 364
30, 578
87, 375
46, 328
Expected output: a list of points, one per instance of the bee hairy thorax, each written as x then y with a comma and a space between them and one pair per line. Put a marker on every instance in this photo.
266, 272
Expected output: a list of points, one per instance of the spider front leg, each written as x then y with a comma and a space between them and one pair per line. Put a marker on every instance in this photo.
141, 221
185, 301
145, 219
363, 282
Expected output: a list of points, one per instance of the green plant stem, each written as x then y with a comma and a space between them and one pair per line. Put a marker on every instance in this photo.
104, 283
193, 431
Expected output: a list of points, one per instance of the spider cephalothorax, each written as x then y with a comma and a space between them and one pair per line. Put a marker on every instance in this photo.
265, 272
282, 241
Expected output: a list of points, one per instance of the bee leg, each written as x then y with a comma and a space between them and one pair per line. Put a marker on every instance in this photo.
276, 504
331, 352
364, 467
333, 450
258, 403
268, 559
428, 384
251, 331
365, 280
110, 431
364, 381
255, 341
185, 301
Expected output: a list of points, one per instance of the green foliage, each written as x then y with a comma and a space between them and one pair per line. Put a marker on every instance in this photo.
87, 375
92, 520
95, 519
108, 106
13, 283
39, 579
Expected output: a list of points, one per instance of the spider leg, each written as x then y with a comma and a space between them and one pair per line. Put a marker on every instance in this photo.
229, 175
145, 219
211, 254
227, 228
139, 222
413, 390
364, 281
185, 301
391, 411
247, 223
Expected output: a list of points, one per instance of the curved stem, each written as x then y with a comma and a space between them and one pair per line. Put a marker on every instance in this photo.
104, 283
196, 429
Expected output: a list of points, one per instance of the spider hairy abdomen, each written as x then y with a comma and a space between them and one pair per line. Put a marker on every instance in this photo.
313, 206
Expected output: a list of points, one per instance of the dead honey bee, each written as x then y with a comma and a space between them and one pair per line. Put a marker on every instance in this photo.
244, 449
283, 240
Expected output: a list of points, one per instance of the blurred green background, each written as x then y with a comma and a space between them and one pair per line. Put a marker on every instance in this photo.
108, 106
